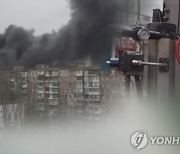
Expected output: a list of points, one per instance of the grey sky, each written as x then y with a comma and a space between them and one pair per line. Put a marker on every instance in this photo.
147, 6
44, 15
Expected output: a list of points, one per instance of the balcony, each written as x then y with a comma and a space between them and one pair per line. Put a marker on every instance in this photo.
53, 86
56, 102
24, 74
52, 80
51, 75
79, 73
51, 98
96, 110
51, 92
41, 92
12, 80
24, 86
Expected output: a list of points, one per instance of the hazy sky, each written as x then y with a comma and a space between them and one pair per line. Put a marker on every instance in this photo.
147, 6
43, 15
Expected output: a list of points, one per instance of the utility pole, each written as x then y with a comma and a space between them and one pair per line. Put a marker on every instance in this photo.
139, 11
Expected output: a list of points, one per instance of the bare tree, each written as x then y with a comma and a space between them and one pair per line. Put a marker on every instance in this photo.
10, 101
5, 99
30, 105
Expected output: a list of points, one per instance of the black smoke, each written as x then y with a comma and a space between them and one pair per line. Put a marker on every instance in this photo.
88, 34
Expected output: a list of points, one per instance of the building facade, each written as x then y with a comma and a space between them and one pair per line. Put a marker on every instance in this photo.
75, 93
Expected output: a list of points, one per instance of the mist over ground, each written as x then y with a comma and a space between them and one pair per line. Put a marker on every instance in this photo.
111, 135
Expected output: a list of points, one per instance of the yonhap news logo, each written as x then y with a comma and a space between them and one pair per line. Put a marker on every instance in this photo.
140, 140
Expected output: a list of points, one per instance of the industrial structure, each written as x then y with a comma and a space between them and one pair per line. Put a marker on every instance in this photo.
131, 14
150, 54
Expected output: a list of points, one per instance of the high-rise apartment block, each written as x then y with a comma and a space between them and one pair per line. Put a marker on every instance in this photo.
76, 92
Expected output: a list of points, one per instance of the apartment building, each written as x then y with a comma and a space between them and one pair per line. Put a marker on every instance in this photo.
88, 93
112, 91
67, 81
44, 86
77, 92
80, 92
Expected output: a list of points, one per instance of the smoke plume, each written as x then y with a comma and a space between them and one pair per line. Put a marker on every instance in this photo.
88, 34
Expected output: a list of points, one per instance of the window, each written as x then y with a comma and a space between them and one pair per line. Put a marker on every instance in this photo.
55, 90
79, 73
86, 90
40, 84
79, 90
80, 109
86, 72
79, 85
55, 73
41, 89
86, 96
97, 97
46, 95
86, 84
23, 73
55, 95
86, 79
96, 84
96, 109
41, 72
90, 84
55, 84
79, 78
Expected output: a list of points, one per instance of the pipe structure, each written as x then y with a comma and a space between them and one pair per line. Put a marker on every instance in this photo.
139, 63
